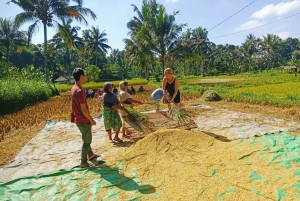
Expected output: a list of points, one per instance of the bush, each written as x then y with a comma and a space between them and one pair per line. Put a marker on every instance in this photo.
17, 94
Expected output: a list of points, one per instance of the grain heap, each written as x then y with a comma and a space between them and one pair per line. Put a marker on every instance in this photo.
192, 165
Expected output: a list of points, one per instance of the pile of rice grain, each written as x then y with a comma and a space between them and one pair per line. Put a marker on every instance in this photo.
191, 165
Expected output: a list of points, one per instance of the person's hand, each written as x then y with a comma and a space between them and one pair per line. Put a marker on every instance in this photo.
168, 98
93, 122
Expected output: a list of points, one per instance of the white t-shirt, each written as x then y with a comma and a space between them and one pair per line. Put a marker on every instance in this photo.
124, 95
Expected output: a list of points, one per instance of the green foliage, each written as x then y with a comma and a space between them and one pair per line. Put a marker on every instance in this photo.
17, 94
93, 73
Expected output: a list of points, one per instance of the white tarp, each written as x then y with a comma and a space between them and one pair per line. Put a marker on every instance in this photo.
58, 145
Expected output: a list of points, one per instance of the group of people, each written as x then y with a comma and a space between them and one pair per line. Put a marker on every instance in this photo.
130, 90
93, 94
113, 109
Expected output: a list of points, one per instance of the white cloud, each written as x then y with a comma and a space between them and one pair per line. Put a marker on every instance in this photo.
249, 24
284, 35
276, 9
171, 0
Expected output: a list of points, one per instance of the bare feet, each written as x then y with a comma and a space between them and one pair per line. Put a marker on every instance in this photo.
118, 140
126, 136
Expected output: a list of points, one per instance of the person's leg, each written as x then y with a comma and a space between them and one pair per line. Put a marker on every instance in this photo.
109, 134
125, 130
116, 138
86, 133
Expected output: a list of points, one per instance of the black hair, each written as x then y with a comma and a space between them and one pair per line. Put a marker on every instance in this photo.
77, 72
106, 87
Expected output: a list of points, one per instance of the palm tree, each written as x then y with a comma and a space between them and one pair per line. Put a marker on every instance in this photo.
10, 35
270, 44
249, 48
49, 12
199, 44
160, 33
155, 30
138, 54
96, 41
135, 50
67, 39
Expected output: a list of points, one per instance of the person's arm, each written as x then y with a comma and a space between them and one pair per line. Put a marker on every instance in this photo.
117, 107
164, 83
86, 113
176, 87
134, 101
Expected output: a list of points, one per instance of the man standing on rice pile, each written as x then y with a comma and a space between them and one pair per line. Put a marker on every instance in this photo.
126, 101
80, 115
170, 87
111, 115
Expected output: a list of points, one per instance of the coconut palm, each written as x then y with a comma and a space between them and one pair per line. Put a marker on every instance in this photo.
249, 48
10, 35
160, 33
49, 12
66, 39
155, 30
96, 41
199, 44
270, 44
135, 49
138, 54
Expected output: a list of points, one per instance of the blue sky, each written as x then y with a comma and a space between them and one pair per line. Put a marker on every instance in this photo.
113, 15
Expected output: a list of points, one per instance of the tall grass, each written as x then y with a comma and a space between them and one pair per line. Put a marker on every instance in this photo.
17, 94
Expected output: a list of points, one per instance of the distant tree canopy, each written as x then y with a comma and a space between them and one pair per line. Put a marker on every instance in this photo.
155, 42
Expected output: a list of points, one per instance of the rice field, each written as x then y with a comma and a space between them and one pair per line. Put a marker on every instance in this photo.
273, 94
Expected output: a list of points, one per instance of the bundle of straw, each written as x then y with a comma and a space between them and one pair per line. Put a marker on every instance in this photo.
181, 115
141, 120
136, 116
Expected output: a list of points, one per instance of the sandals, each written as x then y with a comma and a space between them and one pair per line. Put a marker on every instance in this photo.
92, 157
87, 165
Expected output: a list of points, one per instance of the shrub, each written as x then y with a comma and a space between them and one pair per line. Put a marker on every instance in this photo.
17, 94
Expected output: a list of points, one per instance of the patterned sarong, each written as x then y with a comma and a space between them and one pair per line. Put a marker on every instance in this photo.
112, 118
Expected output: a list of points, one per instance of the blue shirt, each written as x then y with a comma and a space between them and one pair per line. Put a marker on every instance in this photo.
157, 94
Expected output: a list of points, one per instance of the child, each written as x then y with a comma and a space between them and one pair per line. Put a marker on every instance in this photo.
126, 101
111, 115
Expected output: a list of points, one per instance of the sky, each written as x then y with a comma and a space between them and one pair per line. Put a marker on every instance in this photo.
244, 16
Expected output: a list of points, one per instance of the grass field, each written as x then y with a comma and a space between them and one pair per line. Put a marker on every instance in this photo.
267, 88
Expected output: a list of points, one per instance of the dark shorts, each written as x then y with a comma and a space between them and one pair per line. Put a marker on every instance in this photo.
177, 97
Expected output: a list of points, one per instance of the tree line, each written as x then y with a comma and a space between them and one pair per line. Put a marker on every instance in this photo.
155, 42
